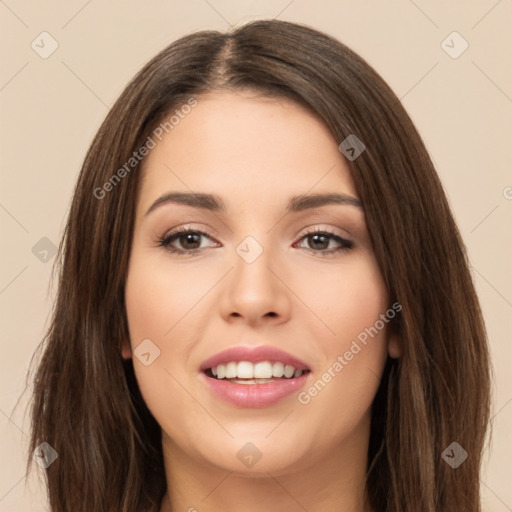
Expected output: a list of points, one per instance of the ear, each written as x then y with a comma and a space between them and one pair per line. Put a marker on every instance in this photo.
126, 350
394, 346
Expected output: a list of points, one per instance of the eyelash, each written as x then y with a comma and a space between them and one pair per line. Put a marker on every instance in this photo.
346, 245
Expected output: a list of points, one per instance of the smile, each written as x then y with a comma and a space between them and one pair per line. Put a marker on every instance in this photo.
253, 377
245, 372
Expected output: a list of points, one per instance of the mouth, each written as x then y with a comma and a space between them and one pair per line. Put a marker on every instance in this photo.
246, 372
253, 377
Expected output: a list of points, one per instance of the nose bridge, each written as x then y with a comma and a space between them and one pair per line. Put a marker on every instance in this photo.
254, 291
253, 258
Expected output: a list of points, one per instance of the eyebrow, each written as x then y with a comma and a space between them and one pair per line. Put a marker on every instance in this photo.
214, 203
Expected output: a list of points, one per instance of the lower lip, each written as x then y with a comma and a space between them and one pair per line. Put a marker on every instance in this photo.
254, 395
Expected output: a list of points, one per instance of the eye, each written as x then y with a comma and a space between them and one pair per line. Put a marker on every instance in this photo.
322, 241
188, 239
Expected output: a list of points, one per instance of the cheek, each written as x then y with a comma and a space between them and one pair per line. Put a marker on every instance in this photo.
158, 296
347, 300
144, 307
153, 311
164, 304
354, 348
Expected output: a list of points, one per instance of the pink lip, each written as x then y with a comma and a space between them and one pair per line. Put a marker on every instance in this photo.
253, 355
253, 395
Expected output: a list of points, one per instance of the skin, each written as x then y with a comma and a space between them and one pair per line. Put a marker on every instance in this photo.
255, 153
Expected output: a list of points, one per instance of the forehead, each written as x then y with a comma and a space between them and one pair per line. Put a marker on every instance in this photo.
246, 147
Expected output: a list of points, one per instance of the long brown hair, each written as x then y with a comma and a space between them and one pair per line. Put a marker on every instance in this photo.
86, 403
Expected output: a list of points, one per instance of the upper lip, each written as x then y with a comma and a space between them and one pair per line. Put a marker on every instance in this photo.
254, 355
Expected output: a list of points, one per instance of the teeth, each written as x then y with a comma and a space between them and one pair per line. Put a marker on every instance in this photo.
231, 370
263, 370
253, 381
257, 373
278, 369
221, 371
245, 370
289, 371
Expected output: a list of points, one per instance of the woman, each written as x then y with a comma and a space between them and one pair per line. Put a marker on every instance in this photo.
319, 346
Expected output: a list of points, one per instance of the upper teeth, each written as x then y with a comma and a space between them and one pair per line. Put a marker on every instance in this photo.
248, 370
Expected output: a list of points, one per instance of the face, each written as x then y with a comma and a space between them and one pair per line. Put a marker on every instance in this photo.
267, 276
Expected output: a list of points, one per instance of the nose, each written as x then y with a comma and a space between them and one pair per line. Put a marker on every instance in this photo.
255, 291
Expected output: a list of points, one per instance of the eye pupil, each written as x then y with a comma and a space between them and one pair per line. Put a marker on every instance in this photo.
189, 237
317, 240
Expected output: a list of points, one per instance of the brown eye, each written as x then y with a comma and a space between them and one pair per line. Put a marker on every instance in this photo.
184, 241
190, 240
324, 242
320, 242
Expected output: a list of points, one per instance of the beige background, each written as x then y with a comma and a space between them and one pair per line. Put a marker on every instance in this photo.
52, 107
